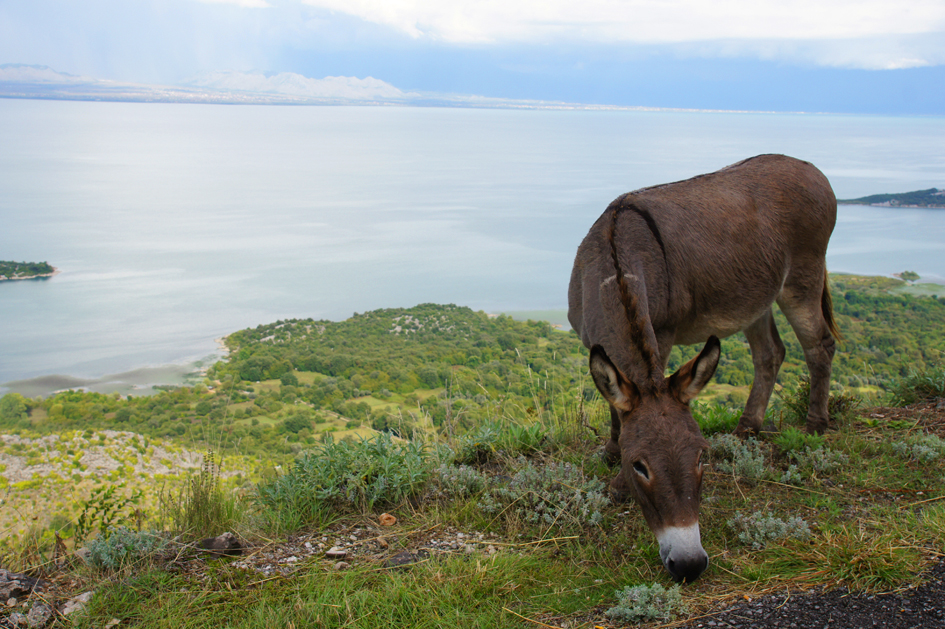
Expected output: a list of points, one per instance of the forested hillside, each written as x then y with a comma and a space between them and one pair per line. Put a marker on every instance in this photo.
448, 368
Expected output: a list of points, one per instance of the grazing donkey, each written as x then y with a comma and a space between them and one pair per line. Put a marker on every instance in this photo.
690, 262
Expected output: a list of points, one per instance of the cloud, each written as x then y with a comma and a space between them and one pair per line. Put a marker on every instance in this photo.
890, 52
253, 4
644, 21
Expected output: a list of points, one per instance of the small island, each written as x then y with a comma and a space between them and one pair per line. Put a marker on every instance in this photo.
933, 197
25, 270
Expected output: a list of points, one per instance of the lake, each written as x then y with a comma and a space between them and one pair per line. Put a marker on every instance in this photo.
173, 225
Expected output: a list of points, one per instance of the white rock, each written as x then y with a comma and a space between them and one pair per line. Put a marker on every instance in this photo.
336, 553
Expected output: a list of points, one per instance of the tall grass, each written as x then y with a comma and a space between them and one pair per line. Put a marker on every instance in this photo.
201, 507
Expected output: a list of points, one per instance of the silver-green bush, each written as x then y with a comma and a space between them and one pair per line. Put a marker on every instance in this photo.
555, 494
759, 528
458, 481
921, 448
123, 546
640, 603
740, 458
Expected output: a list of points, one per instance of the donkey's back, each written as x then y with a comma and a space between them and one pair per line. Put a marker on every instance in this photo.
710, 255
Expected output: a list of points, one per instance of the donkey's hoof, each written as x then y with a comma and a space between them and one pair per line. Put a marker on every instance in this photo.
745, 430
611, 454
620, 489
619, 496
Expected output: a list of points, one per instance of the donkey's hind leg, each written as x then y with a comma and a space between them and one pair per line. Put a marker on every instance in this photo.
805, 314
767, 354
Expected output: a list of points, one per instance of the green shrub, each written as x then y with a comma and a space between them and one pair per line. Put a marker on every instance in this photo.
759, 528
520, 439
919, 385
479, 445
553, 495
105, 508
715, 418
123, 546
793, 439
357, 474
641, 603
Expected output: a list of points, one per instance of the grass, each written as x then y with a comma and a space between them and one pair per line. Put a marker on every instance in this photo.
449, 591
919, 385
874, 522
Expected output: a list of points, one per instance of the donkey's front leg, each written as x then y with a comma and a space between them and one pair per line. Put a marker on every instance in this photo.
767, 354
612, 448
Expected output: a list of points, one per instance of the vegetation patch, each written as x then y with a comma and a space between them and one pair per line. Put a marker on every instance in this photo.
759, 528
347, 476
641, 603
469, 422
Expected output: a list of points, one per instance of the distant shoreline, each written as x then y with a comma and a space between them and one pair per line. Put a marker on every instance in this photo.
917, 199
55, 271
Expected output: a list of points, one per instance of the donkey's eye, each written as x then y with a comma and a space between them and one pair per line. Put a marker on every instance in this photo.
640, 469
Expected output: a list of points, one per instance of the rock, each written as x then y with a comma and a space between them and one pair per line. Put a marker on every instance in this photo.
15, 585
342, 565
336, 553
225, 544
39, 616
16, 619
76, 604
404, 558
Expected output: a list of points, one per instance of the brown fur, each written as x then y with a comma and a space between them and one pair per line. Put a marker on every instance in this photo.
685, 263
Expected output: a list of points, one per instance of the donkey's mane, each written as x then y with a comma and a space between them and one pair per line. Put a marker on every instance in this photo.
628, 298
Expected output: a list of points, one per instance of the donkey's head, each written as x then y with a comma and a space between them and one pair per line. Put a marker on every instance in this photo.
661, 451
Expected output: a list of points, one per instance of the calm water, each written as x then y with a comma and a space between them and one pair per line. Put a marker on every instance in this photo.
176, 224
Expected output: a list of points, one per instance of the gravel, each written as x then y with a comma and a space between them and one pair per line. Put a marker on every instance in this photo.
921, 606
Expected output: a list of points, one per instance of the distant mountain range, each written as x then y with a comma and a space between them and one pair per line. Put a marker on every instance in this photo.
255, 88
933, 197
25, 81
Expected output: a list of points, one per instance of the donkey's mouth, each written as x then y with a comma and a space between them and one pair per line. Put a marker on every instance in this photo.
682, 553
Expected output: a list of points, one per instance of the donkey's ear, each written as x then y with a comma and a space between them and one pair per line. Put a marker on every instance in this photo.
694, 375
616, 389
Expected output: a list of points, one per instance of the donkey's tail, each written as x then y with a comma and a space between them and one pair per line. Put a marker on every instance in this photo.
826, 306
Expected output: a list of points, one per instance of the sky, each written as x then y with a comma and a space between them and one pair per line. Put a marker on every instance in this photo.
855, 56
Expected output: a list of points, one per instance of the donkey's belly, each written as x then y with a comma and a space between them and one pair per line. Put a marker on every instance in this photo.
721, 324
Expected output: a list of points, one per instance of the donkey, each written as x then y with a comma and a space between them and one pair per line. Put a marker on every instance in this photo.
690, 262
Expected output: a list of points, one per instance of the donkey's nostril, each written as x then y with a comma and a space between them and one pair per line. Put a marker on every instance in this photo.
687, 569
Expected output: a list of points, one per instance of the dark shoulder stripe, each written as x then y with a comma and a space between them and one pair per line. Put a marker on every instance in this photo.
648, 219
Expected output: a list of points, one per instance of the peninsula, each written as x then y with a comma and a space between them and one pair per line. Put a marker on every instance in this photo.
933, 197
25, 270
